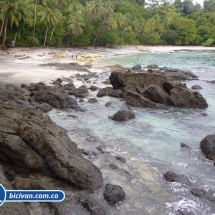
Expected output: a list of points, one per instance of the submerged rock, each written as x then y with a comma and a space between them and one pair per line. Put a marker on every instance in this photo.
196, 87
123, 115
92, 100
203, 194
173, 177
207, 146
91, 205
113, 194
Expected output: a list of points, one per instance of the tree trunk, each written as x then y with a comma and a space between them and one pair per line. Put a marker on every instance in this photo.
46, 35
35, 17
5, 36
94, 42
52, 34
4, 20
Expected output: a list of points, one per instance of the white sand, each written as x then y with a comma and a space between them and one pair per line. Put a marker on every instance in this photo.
16, 71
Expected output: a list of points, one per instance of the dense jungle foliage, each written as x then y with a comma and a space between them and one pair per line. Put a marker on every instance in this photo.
106, 22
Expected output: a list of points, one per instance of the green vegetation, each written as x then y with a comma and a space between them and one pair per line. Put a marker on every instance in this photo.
106, 22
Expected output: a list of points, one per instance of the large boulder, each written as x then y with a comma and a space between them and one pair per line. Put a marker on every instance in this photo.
30, 139
207, 146
152, 87
113, 194
123, 115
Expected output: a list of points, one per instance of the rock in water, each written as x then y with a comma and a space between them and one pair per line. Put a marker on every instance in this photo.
123, 115
113, 194
196, 87
155, 87
207, 146
91, 205
173, 177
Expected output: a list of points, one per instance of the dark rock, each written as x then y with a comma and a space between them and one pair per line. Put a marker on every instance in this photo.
113, 194
91, 205
211, 82
196, 87
30, 139
156, 94
85, 152
183, 145
45, 107
108, 104
135, 99
203, 194
101, 93
123, 115
10, 174
183, 97
150, 88
182, 212
92, 100
17, 208
93, 88
137, 67
207, 146
114, 93
101, 149
173, 177
122, 159
153, 66
81, 100
198, 192
58, 81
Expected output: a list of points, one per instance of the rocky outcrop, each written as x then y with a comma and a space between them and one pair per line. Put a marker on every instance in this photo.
173, 177
113, 194
123, 115
151, 89
207, 146
30, 139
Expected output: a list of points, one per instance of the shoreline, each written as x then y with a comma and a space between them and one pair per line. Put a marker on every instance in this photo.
28, 69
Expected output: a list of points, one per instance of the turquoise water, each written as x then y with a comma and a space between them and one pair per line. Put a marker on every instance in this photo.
153, 138
173, 59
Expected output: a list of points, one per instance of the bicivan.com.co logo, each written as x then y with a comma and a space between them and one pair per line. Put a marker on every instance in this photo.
30, 195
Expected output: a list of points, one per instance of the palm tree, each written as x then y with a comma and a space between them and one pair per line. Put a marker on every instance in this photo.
107, 13
75, 25
95, 9
12, 12
49, 17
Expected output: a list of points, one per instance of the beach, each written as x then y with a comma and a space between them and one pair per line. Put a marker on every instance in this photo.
28, 70
133, 154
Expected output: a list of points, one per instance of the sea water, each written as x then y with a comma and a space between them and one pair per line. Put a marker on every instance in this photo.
153, 138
